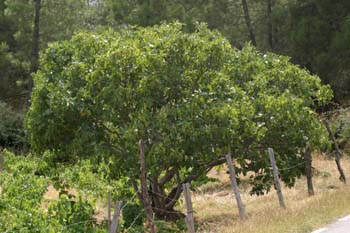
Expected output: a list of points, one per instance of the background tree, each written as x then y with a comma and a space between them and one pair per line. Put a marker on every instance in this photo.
248, 22
11, 65
34, 61
269, 24
313, 33
320, 41
20, 31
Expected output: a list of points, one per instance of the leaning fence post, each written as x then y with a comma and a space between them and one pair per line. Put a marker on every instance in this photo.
276, 178
115, 219
337, 152
109, 212
144, 192
308, 170
189, 215
235, 186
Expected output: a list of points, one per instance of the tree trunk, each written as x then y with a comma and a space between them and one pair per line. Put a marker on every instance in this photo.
248, 22
269, 23
162, 203
337, 152
34, 66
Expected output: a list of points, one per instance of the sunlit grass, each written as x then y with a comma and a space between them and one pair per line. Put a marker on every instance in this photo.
216, 211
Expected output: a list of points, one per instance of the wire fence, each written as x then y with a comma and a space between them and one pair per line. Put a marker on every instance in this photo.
130, 201
292, 167
65, 228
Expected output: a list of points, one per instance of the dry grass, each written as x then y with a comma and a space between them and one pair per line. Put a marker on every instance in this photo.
216, 211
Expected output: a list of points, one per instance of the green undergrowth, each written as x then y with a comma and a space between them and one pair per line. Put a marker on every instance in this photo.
24, 182
26, 204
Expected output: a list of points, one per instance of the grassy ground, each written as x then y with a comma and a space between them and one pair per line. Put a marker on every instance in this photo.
216, 210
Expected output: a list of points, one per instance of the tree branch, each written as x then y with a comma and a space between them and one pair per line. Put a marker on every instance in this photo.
175, 193
168, 176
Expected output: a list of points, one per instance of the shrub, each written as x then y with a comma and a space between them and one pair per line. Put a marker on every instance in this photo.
133, 214
20, 202
12, 133
191, 98
72, 215
24, 182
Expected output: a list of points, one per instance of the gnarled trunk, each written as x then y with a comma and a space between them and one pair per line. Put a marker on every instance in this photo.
154, 196
162, 202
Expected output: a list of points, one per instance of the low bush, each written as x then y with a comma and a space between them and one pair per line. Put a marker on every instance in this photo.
20, 202
72, 215
23, 208
12, 133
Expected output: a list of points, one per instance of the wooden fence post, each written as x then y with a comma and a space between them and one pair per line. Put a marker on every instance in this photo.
189, 215
115, 219
308, 170
109, 212
337, 152
236, 191
276, 178
144, 193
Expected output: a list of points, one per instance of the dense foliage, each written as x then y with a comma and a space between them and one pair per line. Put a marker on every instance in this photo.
12, 133
59, 19
320, 39
313, 33
24, 208
38, 197
183, 89
191, 97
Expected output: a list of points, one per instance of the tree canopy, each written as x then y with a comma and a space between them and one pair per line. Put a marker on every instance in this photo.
191, 97
313, 33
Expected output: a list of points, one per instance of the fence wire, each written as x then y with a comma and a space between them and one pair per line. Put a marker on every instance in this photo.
139, 215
